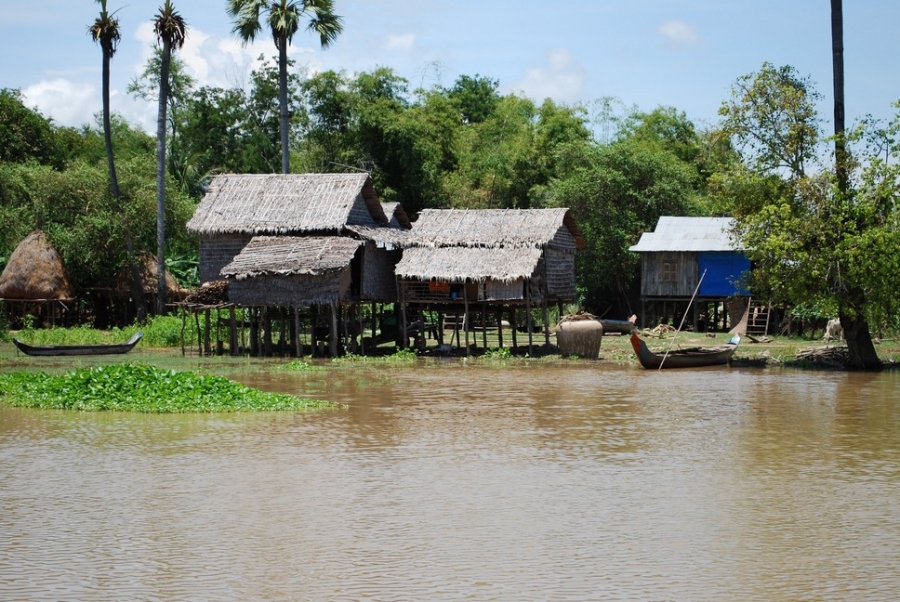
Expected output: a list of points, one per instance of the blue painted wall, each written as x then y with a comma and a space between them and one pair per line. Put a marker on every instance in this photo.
724, 271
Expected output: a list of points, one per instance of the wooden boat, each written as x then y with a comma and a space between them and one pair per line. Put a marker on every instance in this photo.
620, 326
112, 349
694, 357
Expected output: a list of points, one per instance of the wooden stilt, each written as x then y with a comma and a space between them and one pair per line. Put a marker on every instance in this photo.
466, 315
529, 320
334, 330
484, 325
206, 334
546, 323
232, 327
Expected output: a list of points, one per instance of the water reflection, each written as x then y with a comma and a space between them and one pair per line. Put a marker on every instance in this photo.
531, 482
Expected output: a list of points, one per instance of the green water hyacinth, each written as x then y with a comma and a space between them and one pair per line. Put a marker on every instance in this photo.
139, 388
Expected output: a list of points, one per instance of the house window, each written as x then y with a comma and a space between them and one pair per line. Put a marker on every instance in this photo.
669, 272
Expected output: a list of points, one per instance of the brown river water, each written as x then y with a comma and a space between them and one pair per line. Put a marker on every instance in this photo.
464, 481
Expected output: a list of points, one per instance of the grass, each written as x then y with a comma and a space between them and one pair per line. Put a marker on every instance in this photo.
139, 388
159, 331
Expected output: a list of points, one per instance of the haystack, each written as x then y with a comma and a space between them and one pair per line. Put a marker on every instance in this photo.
147, 265
35, 271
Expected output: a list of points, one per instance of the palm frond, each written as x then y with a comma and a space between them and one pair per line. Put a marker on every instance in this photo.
323, 21
246, 17
170, 26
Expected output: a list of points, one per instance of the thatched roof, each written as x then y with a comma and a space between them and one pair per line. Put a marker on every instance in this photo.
149, 275
287, 204
35, 270
510, 228
393, 236
457, 264
292, 255
397, 216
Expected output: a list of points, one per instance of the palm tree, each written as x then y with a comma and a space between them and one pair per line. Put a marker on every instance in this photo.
837, 62
170, 32
105, 31
284, 20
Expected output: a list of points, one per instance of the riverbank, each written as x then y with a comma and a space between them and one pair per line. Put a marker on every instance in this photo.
615, 349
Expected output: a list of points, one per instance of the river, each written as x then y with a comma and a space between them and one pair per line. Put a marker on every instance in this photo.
464, 481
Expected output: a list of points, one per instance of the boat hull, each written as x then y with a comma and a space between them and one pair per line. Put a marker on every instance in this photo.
719, 355
49, 350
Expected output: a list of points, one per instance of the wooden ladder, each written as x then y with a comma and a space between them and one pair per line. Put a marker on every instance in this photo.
758, 318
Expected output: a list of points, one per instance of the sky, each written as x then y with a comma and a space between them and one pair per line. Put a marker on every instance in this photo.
643, 54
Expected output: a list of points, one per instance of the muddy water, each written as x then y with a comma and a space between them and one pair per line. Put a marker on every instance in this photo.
454, 481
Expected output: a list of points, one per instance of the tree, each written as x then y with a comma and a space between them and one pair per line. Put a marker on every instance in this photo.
772, 119
810, 241
475, 97
26, 135
170, 32
284, 20
615, 192
105, 31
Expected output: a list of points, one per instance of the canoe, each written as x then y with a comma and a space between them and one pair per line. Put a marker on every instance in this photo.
620, 326
115, 348
695, 357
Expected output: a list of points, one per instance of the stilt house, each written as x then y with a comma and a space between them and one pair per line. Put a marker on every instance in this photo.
490, 260
687, 258
299, 241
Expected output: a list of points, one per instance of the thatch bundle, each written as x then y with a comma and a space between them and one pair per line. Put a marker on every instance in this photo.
209, 293
35, 271
149, 276
579, 334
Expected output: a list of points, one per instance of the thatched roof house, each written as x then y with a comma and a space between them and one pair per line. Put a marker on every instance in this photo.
238, 207
35, 271
292, 271
499, 250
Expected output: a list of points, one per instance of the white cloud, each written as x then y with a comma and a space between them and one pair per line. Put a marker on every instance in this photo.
404, 42
66, 102
561, 79
678, 33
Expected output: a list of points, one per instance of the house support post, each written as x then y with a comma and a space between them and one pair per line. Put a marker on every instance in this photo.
466, 315
334, 329
484, 325
528, 319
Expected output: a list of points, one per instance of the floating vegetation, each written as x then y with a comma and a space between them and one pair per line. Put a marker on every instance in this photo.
299, 366
139, 388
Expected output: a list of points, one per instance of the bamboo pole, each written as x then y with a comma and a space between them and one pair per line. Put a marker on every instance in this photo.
666, 354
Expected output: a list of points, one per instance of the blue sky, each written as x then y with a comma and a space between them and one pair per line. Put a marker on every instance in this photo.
645, 53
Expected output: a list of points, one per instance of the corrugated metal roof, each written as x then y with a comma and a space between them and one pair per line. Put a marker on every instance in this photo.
688, 234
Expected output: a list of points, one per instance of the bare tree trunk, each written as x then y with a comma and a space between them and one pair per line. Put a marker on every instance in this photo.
837, 57
162, 293
856, 328
137, 291
283, 104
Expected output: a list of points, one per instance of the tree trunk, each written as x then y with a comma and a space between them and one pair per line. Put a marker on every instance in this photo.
137, 291
283, 104
859, 344
162, 293
837, 59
